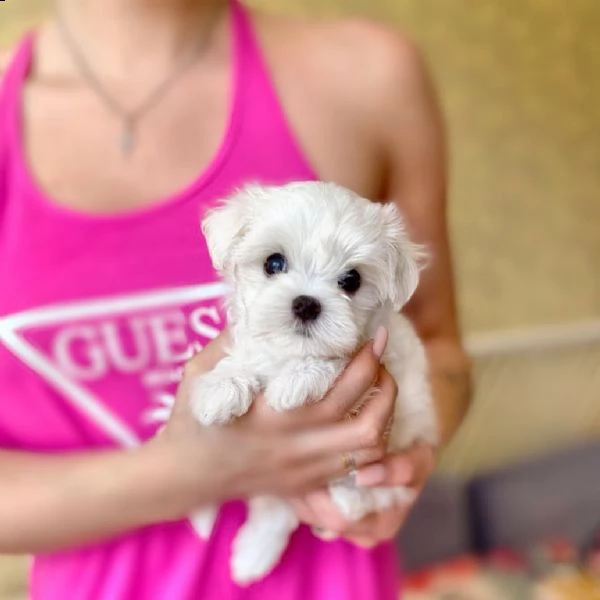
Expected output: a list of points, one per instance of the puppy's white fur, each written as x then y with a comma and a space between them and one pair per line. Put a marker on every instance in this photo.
323, 231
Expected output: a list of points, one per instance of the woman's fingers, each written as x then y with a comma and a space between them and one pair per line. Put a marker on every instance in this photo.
322, 515
411, 467
303, 511
320, 455
316, 472
352, 385
327, 516
377, 528
353, 443
317, 510
372, 421
365, 430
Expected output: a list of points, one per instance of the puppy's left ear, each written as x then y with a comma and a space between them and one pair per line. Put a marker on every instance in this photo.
404, 258
224, 225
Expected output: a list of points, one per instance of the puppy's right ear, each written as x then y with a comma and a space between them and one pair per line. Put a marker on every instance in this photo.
223, 227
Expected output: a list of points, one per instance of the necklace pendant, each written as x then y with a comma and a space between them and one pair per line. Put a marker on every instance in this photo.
127, 141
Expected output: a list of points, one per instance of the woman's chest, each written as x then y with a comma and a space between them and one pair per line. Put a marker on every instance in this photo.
74, 150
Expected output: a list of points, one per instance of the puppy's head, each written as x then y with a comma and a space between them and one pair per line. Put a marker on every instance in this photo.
310, 264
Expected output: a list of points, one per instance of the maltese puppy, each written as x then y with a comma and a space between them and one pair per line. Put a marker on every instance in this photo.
314, 270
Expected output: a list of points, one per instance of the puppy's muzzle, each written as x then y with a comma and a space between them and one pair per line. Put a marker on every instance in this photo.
306, 308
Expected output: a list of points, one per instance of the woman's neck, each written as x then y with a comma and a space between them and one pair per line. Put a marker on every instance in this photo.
135, 37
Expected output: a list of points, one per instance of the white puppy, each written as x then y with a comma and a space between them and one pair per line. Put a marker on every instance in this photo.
314, 270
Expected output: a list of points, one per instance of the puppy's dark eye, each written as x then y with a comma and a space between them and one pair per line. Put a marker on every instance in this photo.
350, 281
276, 263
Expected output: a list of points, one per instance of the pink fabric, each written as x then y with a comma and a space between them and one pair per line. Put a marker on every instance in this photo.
97, 315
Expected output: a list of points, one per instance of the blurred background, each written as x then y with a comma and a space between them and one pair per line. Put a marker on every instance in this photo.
520, 85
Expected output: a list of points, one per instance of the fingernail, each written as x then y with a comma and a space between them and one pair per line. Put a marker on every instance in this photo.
371, 476
380, 342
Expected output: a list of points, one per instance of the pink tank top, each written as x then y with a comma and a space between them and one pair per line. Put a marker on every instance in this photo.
97, 315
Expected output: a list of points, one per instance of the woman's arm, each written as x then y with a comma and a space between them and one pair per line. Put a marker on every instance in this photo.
412, 135
49, 503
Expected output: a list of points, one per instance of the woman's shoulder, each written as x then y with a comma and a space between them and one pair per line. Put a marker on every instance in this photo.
351, 59
348, 38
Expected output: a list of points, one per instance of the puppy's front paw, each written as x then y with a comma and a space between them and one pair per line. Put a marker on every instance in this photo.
352, 502
217, 398
302, 383
356, 503
287, 393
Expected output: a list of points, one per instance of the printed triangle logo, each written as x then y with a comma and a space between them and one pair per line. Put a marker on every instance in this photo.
117, 360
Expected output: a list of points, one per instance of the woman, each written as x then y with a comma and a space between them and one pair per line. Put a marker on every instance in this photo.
119, 123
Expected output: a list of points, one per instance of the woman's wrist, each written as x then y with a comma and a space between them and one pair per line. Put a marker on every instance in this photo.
174, 485
134, 482
164, 493
56, 502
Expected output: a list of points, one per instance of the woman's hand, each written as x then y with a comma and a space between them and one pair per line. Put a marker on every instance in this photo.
410, 468
266, 452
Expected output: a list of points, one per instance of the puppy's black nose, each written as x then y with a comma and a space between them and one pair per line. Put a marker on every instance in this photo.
306, 308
